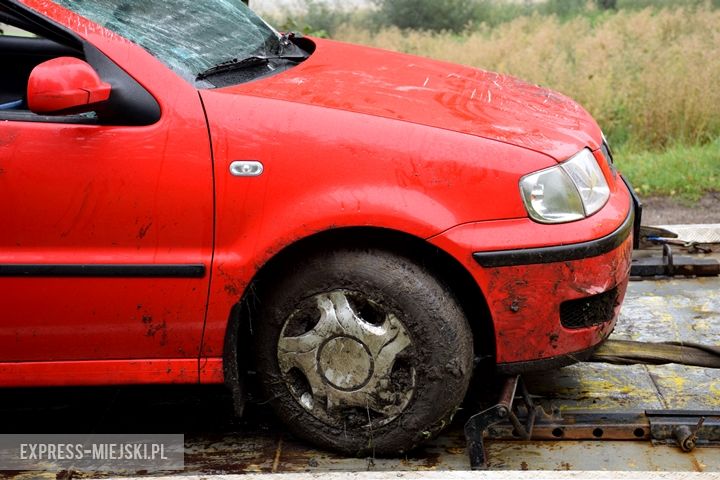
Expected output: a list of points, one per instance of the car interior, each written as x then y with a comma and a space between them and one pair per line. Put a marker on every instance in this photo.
25, 44
22, 47
22, 54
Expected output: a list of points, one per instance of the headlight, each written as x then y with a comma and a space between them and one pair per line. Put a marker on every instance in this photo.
573, 190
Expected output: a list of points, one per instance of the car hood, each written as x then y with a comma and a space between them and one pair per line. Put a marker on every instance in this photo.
437, 94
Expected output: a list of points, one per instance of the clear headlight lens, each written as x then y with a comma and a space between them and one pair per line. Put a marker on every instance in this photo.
570, 191
589, 180
551, 197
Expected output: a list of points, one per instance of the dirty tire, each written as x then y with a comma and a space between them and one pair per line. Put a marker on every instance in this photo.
362, 351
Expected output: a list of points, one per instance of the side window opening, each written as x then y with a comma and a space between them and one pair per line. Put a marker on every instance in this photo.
20, 51
27, 41
10, 31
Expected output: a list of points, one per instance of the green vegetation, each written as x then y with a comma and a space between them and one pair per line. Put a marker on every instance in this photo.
647, 70
465, 15
448, 15
683, 171
320, 19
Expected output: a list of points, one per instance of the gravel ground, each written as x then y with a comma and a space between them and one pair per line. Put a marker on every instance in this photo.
671, 211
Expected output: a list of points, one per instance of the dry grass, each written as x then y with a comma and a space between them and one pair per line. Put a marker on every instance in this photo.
650, 78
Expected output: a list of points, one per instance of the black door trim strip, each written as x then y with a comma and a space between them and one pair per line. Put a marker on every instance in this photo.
107, 270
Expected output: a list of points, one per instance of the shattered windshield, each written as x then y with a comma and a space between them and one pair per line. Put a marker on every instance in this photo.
189, 36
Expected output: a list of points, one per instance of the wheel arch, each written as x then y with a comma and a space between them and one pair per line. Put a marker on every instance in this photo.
238, 344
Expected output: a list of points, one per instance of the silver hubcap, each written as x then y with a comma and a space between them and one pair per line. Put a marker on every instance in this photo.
345, 360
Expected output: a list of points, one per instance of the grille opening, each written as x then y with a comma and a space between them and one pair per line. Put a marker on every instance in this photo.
589, 311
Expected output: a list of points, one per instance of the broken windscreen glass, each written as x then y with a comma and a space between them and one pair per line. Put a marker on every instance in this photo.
189, 36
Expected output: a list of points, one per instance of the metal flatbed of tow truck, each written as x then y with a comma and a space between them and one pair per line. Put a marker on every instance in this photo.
673, 309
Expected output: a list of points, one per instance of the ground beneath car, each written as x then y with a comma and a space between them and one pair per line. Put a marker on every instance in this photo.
672, 211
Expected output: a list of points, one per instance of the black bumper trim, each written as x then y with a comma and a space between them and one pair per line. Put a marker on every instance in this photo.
637, 203
95, 270
560, 253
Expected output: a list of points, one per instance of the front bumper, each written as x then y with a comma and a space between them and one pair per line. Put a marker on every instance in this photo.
552, 305
527, 299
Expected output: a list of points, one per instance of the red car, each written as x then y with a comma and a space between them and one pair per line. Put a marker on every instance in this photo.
188, 195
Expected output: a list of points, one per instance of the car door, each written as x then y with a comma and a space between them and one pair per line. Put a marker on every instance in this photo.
106, 227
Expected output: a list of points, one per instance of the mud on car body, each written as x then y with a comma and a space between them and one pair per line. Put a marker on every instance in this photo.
194, 195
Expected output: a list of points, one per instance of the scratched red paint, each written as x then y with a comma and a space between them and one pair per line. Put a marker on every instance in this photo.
350, 137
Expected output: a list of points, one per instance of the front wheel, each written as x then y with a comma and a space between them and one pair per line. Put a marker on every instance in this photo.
363, 351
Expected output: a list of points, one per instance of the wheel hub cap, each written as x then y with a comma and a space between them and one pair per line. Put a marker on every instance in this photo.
345, 363
347, 360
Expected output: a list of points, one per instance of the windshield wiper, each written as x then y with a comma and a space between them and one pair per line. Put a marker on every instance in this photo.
248, 62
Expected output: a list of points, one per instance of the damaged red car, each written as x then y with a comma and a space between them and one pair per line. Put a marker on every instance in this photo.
189, 195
